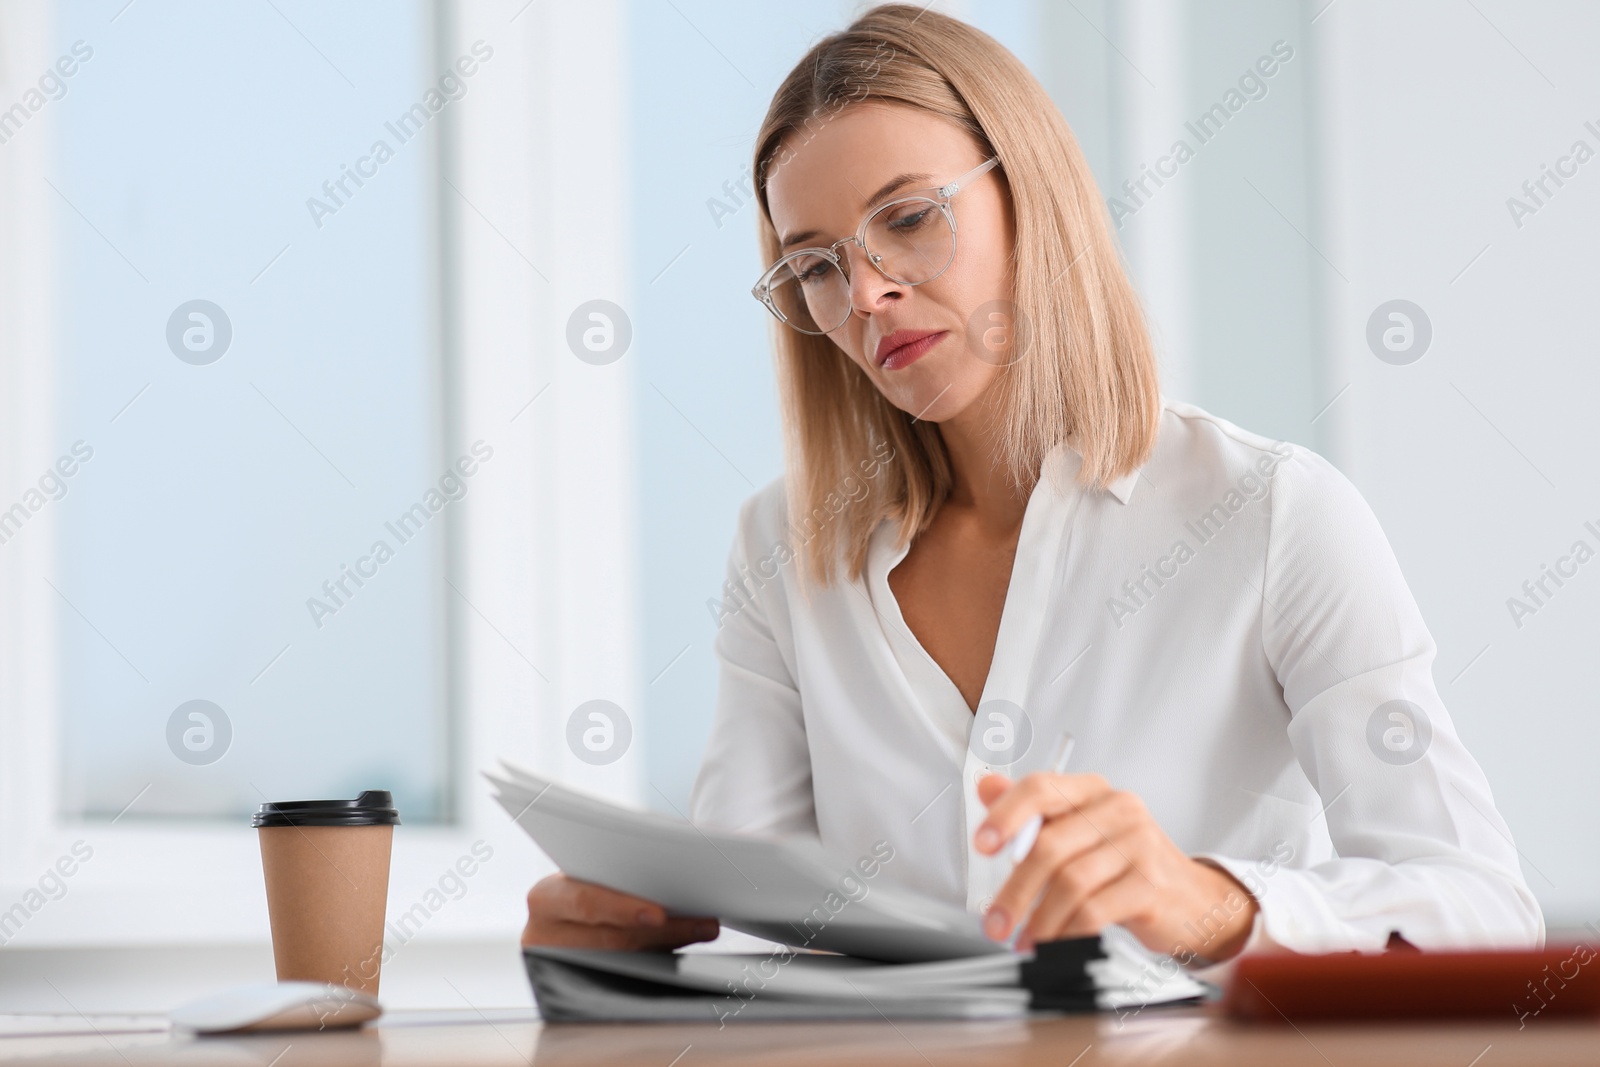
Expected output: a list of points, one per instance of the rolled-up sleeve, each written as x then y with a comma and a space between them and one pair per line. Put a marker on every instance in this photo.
1420, 848
756, 773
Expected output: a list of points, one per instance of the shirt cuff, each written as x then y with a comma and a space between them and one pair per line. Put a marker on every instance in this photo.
1294, 915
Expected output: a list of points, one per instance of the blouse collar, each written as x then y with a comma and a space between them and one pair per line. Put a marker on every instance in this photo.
1063, 462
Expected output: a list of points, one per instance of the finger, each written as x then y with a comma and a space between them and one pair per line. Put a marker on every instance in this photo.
1036, 794
990, 786
1075, 885
673, 934
542, 907
682, 930
1116, 902
584, 902
1061, 841
586, 935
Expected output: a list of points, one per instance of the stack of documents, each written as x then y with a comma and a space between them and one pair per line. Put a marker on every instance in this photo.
592, 984
849, 942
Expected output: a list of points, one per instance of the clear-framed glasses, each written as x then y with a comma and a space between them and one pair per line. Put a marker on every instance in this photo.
909, 240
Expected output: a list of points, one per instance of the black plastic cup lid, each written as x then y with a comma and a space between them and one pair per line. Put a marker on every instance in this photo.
374, 807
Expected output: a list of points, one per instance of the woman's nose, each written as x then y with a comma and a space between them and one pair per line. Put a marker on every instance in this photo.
869, 289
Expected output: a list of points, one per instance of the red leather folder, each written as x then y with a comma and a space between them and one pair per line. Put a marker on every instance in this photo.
1555, 981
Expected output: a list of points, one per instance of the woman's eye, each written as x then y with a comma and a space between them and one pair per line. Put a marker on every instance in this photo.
809, 273
912, 222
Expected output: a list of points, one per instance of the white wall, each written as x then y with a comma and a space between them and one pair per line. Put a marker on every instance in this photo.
1478, 458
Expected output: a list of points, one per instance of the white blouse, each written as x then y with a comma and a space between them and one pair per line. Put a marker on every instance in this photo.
1225, 632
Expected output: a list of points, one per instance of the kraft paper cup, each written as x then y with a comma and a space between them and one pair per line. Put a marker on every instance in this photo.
326, 864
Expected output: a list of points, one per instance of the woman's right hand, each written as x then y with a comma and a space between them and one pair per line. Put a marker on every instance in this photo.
563, 911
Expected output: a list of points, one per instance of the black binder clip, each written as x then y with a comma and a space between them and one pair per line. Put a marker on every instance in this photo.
1058, 975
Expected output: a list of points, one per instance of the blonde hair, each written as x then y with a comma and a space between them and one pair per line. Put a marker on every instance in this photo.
1089, 373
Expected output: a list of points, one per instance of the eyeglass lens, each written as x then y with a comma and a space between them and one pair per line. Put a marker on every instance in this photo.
910, 241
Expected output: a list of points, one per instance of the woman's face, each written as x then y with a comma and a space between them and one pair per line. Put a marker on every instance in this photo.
920, 344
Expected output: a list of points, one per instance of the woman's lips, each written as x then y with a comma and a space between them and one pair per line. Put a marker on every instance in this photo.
904, 347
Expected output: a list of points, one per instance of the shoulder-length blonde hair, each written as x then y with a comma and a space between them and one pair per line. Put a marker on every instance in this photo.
1087, 376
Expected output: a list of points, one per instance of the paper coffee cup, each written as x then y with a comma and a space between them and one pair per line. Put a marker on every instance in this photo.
326, 864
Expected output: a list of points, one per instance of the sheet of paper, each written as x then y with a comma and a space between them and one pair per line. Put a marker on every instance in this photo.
788, 891
67, 1025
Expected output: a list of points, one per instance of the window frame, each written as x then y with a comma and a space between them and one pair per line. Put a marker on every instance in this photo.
547, 612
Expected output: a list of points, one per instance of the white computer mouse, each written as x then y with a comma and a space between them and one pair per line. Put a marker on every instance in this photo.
277, 1006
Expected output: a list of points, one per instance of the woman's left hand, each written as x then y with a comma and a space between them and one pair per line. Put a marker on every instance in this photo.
1101, 858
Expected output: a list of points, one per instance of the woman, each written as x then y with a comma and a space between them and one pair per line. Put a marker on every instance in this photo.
993, 534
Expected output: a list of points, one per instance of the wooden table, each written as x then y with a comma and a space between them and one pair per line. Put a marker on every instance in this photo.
1186, 1036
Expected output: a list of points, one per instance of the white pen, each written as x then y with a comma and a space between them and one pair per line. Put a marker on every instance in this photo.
1022, 844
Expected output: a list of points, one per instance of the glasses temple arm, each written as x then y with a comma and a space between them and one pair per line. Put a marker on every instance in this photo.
952, 188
